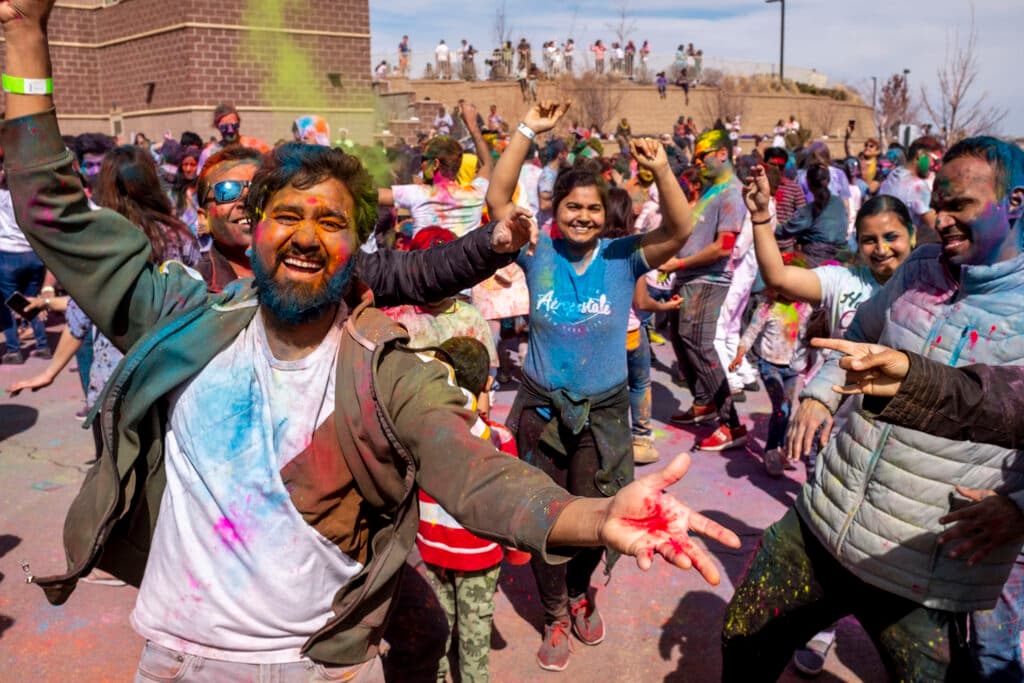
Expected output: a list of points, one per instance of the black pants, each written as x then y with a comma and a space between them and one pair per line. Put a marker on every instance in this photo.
557, 583
795, 588
693, 340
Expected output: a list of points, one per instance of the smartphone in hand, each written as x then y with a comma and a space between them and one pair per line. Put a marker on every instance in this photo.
19, 304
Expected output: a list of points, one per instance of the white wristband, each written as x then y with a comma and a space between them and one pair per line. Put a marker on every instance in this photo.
526, 131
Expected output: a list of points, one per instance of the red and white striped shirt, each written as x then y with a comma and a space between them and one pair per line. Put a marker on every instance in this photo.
442, 541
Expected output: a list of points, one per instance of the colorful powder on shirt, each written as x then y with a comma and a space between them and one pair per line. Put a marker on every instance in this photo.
227, 531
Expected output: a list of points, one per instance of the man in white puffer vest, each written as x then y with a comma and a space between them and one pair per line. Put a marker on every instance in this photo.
864, 538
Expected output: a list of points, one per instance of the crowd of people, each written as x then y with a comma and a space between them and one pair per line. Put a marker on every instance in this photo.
285, 352
513, 61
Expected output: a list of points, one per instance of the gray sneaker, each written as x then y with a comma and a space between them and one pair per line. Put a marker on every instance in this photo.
553, 654
13, 358
810, 660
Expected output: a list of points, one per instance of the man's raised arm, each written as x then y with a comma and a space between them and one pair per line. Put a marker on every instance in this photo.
99, 256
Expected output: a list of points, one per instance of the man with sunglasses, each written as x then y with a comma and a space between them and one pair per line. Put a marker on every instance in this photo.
703, 274
227, 120
868, 158
789, 198
911, 184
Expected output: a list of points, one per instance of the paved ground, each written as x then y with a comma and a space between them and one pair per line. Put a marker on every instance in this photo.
663, 625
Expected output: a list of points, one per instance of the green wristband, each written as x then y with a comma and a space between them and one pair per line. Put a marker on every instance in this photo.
26, 86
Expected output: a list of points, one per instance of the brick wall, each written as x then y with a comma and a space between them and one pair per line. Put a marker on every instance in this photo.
647, 113
196, 67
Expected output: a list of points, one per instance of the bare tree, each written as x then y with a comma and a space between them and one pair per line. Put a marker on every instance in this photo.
954, 108
822, 116
596, 99
894, 105
502, 26
723, 103
625, 26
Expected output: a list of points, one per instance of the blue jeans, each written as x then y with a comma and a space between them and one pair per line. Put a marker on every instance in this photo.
20, 272
638, 364
995, 633
779, 382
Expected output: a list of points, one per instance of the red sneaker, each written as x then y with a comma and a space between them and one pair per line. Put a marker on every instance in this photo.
724, 438
553, 654
587, 623
695, 414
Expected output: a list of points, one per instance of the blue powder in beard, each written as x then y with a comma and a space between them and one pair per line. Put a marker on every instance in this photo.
297, 304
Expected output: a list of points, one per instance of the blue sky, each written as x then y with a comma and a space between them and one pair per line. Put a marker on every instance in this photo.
848, 41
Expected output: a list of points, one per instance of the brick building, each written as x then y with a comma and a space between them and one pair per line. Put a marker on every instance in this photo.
148, 66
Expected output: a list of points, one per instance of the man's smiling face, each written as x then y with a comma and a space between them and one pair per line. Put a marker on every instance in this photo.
971, 219
227, 221
303, 249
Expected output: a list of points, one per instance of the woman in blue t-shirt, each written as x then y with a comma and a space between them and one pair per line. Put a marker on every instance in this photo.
571, 414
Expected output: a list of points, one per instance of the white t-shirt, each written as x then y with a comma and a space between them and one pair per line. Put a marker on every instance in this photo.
443, 123
843, 290
459, 209
12, 239
235, 573
442, 52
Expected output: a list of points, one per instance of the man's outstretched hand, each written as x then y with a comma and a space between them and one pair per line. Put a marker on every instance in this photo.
871, 369
642, 520
515, 230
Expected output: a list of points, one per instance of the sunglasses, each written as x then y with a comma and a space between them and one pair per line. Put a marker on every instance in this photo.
700, 157
227, 127
228, 190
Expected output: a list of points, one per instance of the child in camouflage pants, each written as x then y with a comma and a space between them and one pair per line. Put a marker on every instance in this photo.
463, 568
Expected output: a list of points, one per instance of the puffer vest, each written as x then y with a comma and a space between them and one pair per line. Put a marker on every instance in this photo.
880, 490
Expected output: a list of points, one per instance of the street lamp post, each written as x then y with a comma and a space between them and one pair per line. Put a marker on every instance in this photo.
782, 38
906, 87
